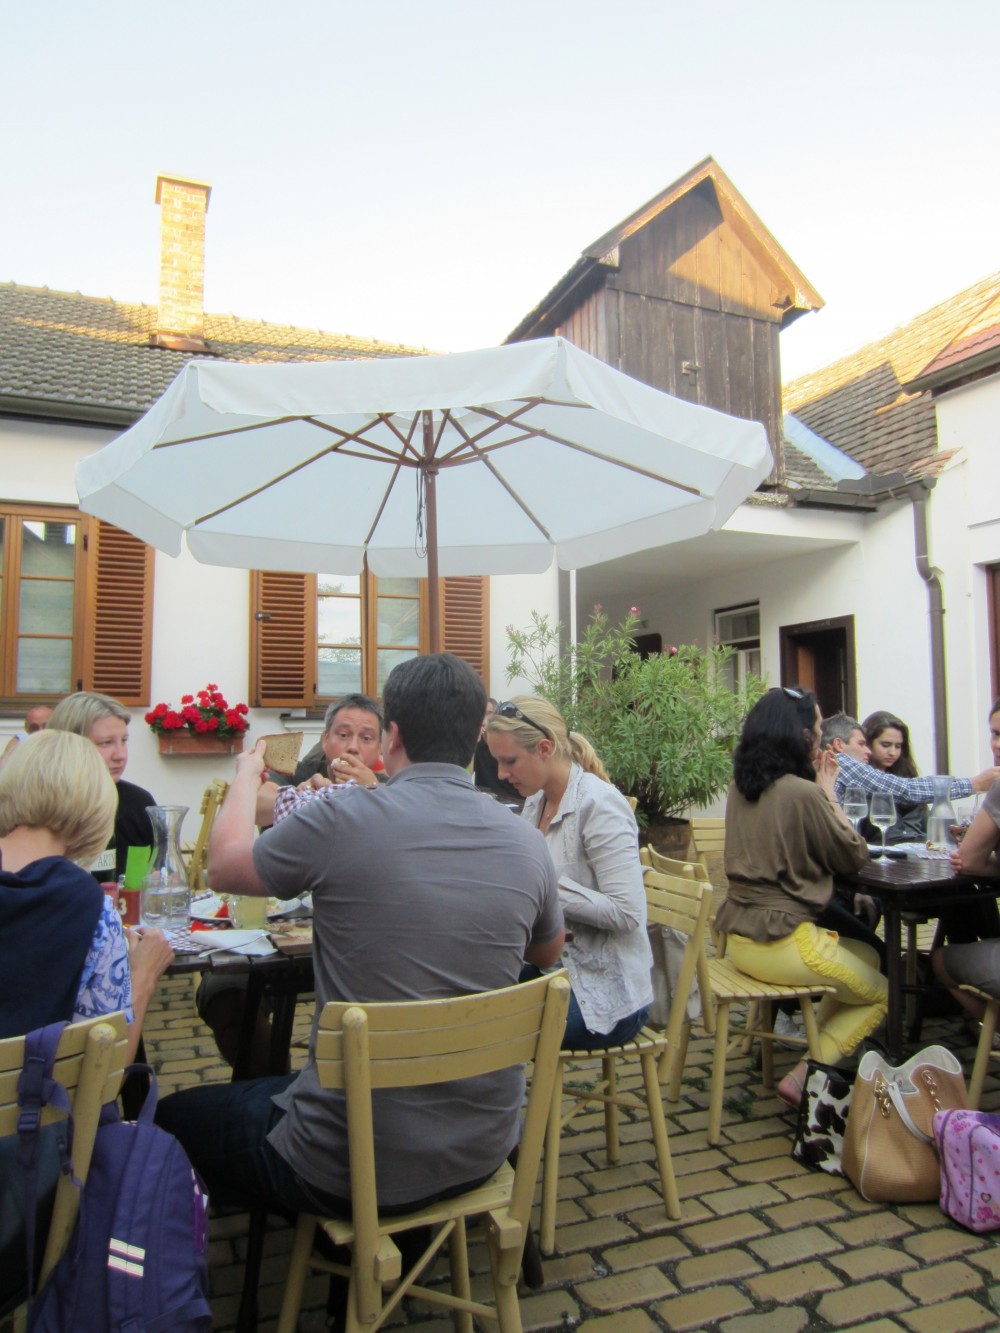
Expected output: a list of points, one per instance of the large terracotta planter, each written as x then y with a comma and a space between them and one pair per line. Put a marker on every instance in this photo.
194, 743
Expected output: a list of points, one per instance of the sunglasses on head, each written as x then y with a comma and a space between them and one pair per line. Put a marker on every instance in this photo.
508, 709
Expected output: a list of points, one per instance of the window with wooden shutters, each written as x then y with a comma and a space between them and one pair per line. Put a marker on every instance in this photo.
118, 621
76, 600
318, 637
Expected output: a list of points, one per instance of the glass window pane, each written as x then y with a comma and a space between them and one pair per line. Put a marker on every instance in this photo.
48, 548
398, 621
345, 583
401, 587
44, 666
339, 620
386, 659
339, 672
46, 607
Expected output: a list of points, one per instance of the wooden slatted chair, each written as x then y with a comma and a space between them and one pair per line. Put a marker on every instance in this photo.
726, 985
707, 836
89, 1065
669, 865
686, 912
214, 795
370, 1046
985, 1050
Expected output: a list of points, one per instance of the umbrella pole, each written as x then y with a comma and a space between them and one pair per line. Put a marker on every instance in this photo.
430, 472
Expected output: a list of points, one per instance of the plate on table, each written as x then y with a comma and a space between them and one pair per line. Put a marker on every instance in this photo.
894, 853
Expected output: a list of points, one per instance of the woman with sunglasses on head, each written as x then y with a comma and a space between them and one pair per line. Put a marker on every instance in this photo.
786, 837
591, 832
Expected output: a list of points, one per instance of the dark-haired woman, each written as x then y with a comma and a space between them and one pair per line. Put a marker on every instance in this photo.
786, 837
888, 738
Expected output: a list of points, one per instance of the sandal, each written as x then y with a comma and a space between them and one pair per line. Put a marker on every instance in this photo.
791, 1100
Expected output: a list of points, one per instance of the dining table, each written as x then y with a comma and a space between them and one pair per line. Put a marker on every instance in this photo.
922, 885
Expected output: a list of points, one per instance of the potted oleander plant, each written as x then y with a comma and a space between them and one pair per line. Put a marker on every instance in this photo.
665, 725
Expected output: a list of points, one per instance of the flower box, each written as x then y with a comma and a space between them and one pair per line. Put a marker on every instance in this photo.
192, 743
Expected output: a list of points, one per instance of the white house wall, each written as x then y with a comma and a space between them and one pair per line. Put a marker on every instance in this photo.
965, 538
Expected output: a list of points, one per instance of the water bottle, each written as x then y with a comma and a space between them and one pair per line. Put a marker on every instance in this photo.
939, 835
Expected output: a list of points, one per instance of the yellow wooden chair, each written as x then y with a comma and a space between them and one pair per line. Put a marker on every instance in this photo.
686, 912
723, 985
214, 795
361, 1047
668, 865
985, 1049
89, 1065
708, 836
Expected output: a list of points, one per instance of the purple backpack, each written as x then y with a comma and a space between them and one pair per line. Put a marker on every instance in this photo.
136, 1260
968, 1144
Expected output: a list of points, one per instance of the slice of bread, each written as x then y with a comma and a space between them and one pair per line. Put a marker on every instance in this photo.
281, 752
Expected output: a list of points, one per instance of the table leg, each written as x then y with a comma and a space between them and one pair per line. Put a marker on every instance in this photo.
894, 977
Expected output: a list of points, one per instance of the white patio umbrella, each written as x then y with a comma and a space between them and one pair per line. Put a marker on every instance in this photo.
490, 462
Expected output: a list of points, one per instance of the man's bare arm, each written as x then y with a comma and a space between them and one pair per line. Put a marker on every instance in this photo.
230, 845
548, 953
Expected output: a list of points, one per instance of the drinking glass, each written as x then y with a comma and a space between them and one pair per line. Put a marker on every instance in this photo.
882, 815
855, 805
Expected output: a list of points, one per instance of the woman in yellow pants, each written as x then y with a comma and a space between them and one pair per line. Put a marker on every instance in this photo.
786, 837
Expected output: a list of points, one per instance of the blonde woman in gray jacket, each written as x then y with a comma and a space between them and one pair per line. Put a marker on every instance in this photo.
591, 833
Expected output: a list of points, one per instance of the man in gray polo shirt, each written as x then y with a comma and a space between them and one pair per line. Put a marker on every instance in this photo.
422, 889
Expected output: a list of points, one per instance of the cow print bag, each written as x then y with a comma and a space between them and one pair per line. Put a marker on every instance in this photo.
819, 1133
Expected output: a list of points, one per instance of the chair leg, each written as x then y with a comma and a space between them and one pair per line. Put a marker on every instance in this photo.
504, 1293
550, 1170
983, 1052
611, 1140
675, 1061
718, 1070
767, 1044
458, 1250
658, 1126
298, 1267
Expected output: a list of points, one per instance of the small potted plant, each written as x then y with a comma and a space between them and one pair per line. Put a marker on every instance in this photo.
204, 724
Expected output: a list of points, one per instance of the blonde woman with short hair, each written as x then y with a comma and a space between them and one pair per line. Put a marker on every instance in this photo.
591, 833
104, 722
63, 953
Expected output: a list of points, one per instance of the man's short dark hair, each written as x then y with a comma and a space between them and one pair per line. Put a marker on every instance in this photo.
437, 702
352, 701
838, 727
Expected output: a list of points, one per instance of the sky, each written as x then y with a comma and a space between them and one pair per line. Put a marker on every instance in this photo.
424, 171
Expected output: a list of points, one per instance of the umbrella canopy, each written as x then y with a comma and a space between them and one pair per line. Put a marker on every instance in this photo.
490, 462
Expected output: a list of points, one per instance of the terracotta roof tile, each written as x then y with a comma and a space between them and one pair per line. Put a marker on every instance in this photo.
859, 403
64, 348
980, 335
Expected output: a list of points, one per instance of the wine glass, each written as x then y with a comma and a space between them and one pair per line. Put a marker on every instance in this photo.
883, 814
855, 805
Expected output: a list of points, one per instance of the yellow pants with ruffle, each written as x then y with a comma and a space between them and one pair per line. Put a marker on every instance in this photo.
810, 954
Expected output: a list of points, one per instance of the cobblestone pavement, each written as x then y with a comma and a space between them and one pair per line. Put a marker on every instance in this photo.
764, 1245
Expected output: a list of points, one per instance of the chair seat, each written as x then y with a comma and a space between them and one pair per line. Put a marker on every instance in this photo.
729, 983
646, 1039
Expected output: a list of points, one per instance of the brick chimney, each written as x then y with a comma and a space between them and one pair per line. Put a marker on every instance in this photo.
180, 324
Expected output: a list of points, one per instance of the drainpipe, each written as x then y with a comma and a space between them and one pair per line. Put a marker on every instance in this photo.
918, 492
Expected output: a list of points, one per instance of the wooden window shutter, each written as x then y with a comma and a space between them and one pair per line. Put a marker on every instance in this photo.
465, 621
118, 622
282, 640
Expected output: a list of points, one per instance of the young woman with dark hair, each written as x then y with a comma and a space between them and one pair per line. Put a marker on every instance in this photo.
888, 738
786, 837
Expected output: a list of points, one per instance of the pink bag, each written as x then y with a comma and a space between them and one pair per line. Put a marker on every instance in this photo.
968, 1144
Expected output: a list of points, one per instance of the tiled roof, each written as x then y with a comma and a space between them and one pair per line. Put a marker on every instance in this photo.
859, 403
804, 472
976, 343
71, 350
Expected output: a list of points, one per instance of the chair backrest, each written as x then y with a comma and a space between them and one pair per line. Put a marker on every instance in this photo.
89, 1065
667, 865
214, 795
406, 1044
682, 903
708, 835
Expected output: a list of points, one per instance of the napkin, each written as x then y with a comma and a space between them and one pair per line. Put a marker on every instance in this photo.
250, 943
